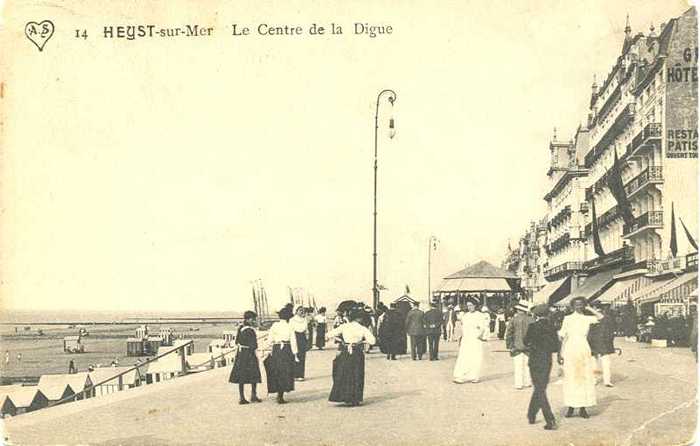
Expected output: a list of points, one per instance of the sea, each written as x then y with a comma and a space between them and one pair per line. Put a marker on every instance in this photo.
108, 317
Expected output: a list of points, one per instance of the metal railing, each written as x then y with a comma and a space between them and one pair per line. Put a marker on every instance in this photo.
119, 376
651, 173
651, 130
651, 218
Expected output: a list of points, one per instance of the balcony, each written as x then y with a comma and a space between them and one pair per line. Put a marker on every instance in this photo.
647, 137
691, 261
599, 185
560, 217
650, 175
620, 123
673, 265
648, 220
560, 243
624, 255
604, 220
562, 270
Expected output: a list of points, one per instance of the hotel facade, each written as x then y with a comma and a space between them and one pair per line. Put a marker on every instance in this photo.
622, 207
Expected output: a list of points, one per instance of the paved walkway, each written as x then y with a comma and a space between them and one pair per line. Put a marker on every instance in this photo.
406, 402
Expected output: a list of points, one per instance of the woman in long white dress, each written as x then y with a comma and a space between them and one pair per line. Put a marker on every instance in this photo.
579, 380
471, 345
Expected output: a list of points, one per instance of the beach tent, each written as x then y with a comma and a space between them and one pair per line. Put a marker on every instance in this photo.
77, 382
24, 398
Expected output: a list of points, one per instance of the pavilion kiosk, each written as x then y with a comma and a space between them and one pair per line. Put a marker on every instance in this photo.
492, 286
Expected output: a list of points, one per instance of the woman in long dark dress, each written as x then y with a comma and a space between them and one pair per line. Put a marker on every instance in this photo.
349, 365
392, 332
246, 369
279, 365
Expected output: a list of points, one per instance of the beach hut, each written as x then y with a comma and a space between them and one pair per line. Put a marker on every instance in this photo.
229, 337
172, 364
128, 380
73, 344
134, 347
24, 398
8, 407
404, 304
78, 382
55, 391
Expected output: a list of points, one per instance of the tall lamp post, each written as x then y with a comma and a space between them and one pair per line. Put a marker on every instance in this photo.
432, 246
391, 96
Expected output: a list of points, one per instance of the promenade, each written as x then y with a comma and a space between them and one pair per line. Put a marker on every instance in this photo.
406, 402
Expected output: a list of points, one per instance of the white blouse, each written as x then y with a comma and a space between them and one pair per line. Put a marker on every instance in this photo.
320, 319
299, 324
281, 331
353, 333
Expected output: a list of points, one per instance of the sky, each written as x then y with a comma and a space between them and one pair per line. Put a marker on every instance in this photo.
167, 174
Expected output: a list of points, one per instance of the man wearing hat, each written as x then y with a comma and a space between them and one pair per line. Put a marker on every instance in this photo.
541, 340
432, 321
515, 342
414, 329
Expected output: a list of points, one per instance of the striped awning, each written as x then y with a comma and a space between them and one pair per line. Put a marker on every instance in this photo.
553, 292
675, 289
474, 285
617, 289
592, 287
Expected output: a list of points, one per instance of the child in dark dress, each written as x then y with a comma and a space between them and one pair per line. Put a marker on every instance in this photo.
246, 369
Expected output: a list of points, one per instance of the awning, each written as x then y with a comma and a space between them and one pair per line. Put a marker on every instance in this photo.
553, 292
474, 284
613, 293
674, 290
592, 287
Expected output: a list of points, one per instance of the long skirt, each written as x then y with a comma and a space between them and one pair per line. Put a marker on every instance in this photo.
348, 375
579, 379
246, 369
279, 368
321, 335
469, 359
302, 346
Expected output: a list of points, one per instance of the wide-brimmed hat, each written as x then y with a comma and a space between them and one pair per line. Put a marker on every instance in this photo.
473, 301
285, 313
540, 310
523, 305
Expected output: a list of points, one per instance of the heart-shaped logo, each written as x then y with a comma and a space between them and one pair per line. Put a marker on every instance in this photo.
39, 33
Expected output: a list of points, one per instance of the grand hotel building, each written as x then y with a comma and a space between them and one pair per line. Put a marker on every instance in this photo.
644, 114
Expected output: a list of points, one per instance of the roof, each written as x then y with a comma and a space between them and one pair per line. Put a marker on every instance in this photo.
102, 373
199, 359
474, 284
71, 338
77, 381
56, 391
406, 298
21, 396
482, 269
161, 366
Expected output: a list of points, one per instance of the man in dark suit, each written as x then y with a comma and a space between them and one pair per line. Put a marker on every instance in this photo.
541, 340
432, 323
414, 329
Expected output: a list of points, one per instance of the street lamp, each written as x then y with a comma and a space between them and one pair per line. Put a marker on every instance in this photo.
391, 96
432, 246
